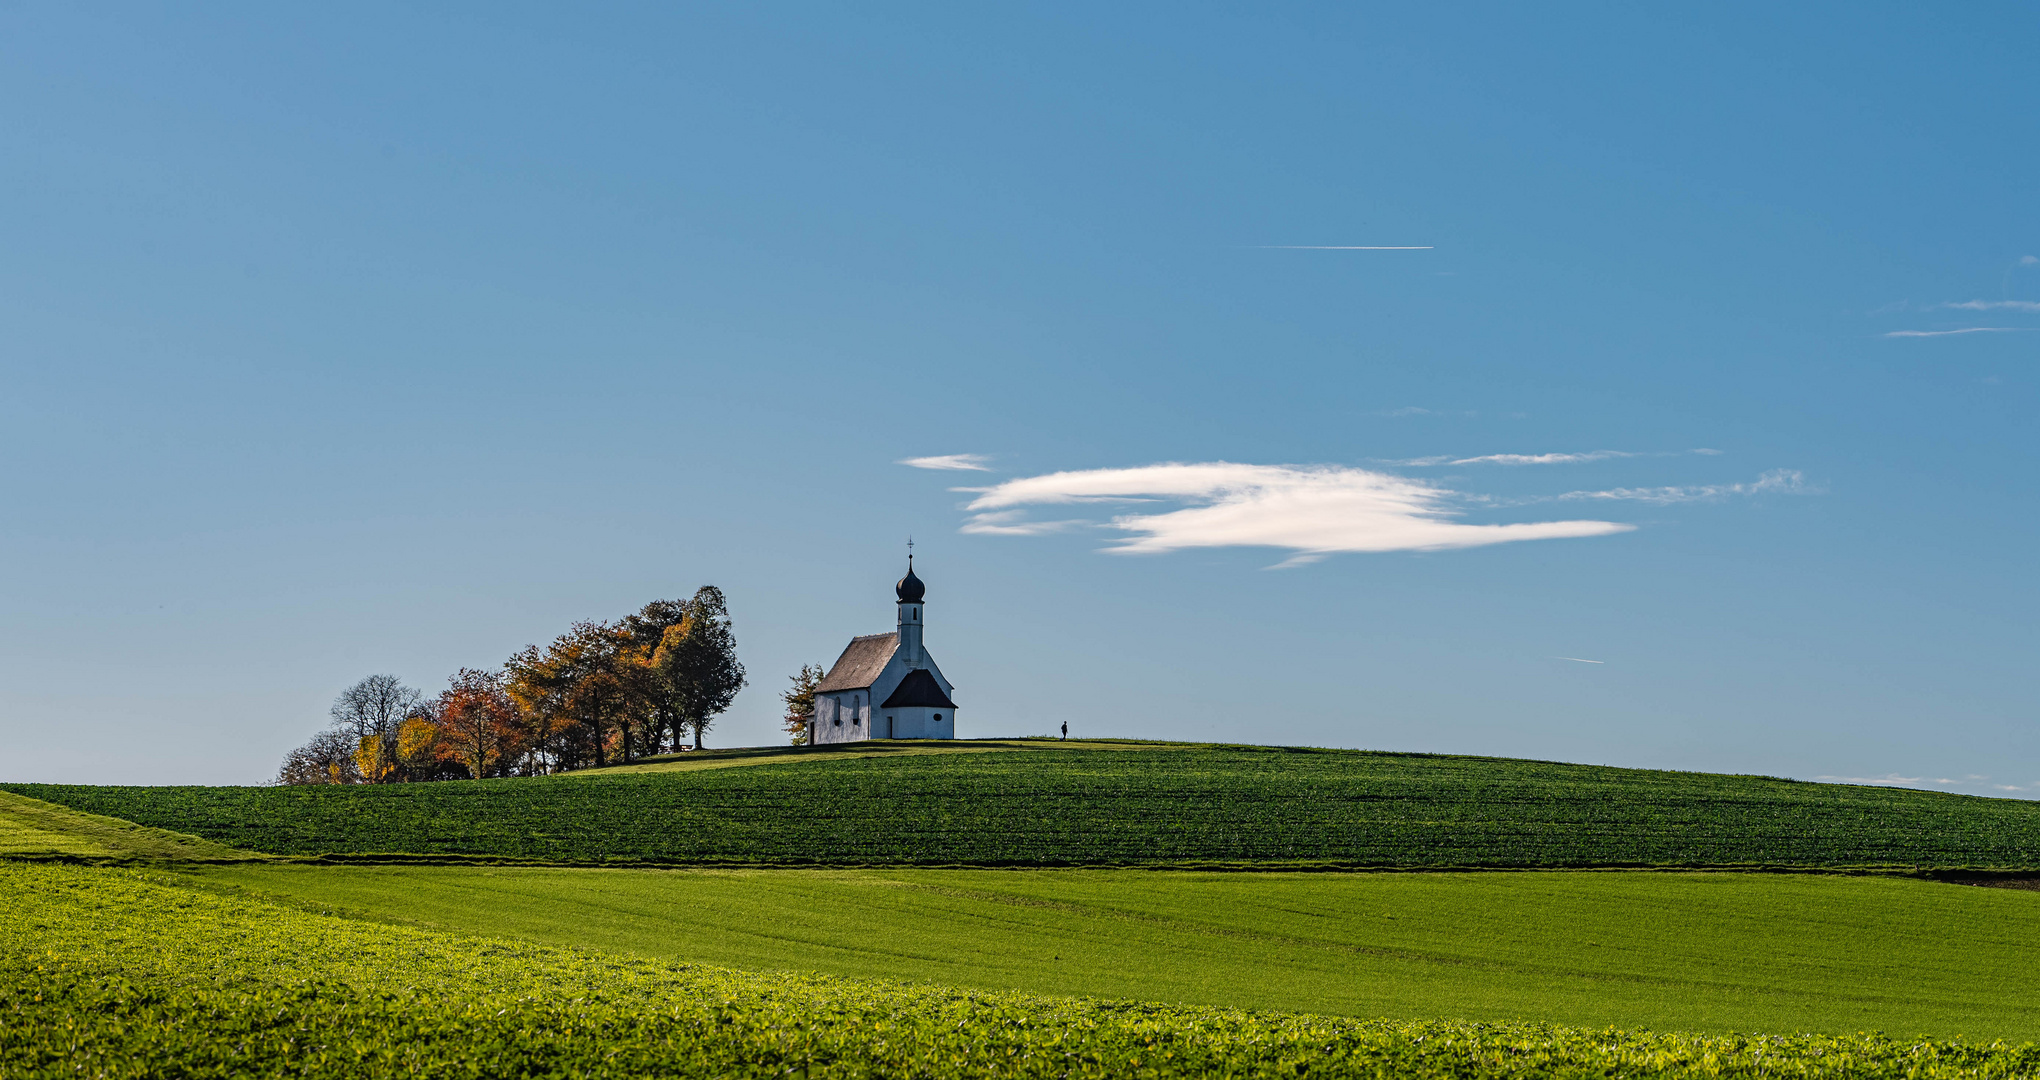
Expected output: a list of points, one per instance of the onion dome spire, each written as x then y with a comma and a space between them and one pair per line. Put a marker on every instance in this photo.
910, 589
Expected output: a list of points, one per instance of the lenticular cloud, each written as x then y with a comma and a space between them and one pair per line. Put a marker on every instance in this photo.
1313, 511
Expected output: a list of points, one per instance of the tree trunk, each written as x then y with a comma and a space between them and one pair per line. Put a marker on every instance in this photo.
699, 725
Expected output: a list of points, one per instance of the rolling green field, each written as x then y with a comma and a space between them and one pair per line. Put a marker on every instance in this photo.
893, 913
1691, 951
1168, 804
118, 973
33, 829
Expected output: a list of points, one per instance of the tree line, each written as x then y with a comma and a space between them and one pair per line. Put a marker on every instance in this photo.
602, 693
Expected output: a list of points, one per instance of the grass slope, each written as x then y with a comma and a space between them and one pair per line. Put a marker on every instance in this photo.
696, 760
110, 973
1169, 804
1711, 952
33, 829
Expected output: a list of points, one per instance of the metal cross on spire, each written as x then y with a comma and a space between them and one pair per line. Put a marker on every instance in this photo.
910, 550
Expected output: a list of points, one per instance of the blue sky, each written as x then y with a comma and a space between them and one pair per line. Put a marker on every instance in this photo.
394, 338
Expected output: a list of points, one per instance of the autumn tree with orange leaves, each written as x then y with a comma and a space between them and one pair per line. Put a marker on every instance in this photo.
662, 708
599, 693
478, 722
799, 721
581, 692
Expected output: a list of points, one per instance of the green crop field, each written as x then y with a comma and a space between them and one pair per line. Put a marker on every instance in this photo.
1166, 804
264, 966
1693, 951
33, 829
118, 973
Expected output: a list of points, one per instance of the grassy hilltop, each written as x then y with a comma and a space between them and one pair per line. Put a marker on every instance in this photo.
632, 943
1038, 803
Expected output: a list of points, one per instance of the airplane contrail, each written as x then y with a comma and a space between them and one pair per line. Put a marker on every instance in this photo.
1344, 247
1579, 660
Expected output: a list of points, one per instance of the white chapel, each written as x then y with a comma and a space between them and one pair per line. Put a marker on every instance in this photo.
886, 686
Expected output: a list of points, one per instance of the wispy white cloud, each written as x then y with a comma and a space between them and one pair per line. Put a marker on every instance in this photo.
1579, 660
1542, 459
1964, 330
1975, 782
1997, 305
960, 462
1775, 482
1418, 410
1891, 780
1013, 523
1312, 511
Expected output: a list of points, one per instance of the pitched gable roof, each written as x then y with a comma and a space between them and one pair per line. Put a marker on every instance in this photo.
860, 664
918, 690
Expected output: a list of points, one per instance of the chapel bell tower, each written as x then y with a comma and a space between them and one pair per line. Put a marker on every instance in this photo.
910, 590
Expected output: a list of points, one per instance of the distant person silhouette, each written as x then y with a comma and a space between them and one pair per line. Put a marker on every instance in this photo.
1066, 729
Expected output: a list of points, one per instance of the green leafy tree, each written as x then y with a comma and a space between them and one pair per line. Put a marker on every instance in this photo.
800, 703
698, 661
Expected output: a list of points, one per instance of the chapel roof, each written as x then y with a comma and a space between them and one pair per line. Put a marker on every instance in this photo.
918, 690
859, 666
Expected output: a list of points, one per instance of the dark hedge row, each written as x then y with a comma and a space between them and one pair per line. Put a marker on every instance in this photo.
1094, 807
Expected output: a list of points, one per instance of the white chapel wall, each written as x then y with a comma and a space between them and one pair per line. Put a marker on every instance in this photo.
844, 716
